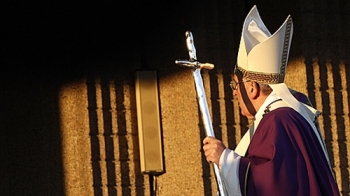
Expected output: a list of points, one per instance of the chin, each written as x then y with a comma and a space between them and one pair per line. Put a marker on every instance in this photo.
244, 114
248, 115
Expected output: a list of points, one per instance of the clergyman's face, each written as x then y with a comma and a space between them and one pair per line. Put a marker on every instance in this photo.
244, 102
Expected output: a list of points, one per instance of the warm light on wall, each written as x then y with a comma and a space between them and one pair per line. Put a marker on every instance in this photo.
76, 152
100, 146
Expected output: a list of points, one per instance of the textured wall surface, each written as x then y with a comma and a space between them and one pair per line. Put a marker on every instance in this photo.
68, 106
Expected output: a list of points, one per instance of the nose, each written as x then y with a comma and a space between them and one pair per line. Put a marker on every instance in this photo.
234, 92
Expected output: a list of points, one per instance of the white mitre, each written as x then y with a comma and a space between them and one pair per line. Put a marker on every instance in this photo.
263, 57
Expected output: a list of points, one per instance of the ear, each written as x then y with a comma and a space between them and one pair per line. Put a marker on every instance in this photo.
254, 90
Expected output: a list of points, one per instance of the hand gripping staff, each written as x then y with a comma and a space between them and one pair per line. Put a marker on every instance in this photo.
196, 68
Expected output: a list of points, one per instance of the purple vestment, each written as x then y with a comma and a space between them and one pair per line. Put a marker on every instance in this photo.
285, 158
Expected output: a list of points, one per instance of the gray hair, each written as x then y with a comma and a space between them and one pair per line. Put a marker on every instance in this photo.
265, 89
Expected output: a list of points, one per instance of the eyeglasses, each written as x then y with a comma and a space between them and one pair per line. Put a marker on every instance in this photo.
234, 84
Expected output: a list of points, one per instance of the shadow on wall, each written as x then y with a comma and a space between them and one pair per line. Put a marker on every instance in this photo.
329, 92
31, 158
112, 141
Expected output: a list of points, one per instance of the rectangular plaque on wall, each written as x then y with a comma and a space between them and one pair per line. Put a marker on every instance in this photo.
149, 126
